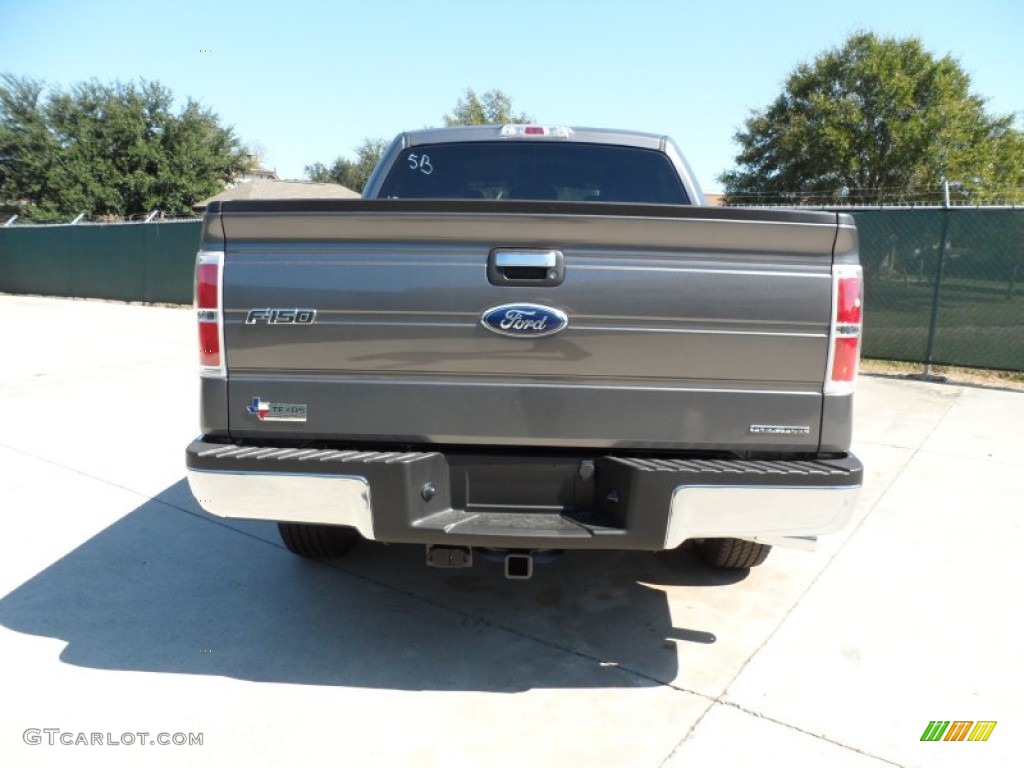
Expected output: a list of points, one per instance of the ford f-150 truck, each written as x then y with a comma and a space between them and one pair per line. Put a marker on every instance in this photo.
522, 339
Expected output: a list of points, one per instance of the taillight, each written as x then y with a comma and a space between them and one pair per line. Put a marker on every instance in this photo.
844, 334
209, 315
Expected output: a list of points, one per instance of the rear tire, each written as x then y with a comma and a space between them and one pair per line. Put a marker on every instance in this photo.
317, 541
732, 553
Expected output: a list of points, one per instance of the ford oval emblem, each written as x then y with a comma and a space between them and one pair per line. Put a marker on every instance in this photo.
524, 321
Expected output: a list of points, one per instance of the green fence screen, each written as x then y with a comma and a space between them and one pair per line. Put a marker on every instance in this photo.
962, 303
131, 262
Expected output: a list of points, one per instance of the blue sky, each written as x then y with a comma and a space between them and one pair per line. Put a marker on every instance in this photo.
307, 81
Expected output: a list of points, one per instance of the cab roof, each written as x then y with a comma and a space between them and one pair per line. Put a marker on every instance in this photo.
466, 133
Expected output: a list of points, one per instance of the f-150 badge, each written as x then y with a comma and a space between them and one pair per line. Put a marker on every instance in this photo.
280, 316
528, 321
265, 411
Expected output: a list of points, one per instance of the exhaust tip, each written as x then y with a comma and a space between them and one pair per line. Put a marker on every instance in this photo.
518, 566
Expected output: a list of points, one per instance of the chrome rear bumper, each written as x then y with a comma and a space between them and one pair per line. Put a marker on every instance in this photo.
597, 502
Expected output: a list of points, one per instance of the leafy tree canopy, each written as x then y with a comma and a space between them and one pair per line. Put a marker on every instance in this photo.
350, 173
493, 108
877, 120
116, 149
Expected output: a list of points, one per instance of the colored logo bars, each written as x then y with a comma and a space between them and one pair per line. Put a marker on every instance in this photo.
958, 730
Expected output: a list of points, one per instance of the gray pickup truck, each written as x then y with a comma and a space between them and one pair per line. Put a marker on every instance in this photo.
526, 339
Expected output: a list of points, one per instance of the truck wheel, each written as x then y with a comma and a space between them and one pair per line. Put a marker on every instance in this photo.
317, 541
732, 553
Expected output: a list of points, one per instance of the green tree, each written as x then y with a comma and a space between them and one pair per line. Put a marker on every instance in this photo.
493, 108
109, 149
27, 147
350, 173
877, 120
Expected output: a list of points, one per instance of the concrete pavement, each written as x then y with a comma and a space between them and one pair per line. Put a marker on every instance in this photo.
124, 609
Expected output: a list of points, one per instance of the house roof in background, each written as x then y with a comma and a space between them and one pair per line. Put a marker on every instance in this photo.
268, 189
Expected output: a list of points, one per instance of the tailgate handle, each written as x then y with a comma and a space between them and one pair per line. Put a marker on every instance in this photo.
521, 266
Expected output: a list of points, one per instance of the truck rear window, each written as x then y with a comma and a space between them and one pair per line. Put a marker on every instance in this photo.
524, 170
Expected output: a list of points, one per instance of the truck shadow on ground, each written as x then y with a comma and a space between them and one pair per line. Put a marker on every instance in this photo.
169, 589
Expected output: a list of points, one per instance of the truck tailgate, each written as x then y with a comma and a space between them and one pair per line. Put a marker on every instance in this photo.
688, 328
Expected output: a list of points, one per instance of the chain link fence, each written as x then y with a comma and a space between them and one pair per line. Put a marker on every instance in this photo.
944, 285
8, 218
